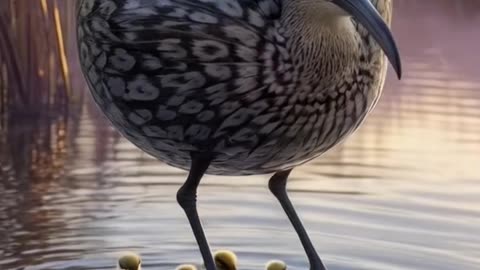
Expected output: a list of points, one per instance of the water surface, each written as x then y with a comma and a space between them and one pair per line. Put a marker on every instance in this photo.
402, 193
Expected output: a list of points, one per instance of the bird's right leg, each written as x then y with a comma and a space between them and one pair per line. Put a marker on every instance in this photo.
187, 198
278, 187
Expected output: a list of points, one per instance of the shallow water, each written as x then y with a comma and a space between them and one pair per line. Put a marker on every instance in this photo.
402, 193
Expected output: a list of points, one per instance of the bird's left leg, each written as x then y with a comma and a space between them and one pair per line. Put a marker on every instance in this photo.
187, 198
277, 186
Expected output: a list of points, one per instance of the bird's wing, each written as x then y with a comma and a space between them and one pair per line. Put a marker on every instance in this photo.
215, 53
181, 45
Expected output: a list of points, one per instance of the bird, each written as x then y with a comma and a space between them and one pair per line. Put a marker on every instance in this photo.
129, 261
224, 260
236, 87
186, 267
275, 265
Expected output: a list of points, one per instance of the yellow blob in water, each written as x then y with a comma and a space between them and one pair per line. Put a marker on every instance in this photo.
186, 267
275, 265
129, 261
225, 260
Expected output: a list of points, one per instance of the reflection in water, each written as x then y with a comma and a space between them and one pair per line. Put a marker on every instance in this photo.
402, 193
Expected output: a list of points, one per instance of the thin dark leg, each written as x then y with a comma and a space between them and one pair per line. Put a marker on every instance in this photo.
187, 198
277, 185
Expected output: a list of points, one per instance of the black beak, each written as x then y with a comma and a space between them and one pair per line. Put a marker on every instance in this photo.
365, 13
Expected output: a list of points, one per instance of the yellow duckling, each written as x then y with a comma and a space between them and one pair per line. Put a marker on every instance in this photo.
275, 265
129, 261
225, 260
186, 267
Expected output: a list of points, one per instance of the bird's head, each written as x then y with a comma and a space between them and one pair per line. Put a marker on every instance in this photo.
275, 265
225, 260
129, 261
366, 14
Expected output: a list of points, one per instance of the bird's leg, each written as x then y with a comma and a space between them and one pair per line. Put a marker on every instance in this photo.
277, 186
187, 198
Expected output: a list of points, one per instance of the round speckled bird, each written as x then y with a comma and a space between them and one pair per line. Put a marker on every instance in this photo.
236, 87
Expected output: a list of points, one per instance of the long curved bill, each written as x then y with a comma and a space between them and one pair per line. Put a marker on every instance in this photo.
365, 13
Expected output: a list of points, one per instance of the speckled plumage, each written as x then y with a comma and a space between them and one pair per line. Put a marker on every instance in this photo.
250, 82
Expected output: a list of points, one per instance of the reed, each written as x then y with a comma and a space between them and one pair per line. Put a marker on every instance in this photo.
37, 55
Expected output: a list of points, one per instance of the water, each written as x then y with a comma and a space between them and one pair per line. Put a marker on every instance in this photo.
402, 193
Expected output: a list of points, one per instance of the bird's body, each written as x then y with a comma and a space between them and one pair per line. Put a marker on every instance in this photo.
257, 84
236, 87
